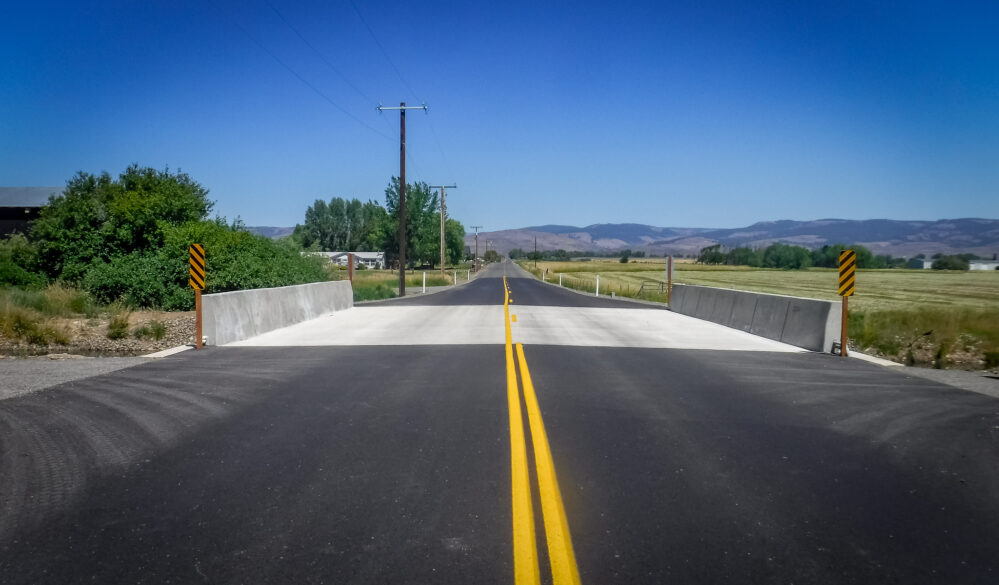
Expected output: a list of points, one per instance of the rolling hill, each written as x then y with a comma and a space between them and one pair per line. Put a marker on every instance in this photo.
882, 236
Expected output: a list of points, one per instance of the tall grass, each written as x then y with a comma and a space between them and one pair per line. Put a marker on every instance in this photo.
29, 325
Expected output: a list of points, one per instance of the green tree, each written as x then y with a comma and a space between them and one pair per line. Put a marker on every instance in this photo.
779, 255
422, 223
743, 257
950, 263
341, 225
711, 255
454, 240
98, 218
491, 256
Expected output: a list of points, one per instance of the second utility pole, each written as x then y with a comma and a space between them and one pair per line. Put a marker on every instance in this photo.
402, 189
443, 215
475, 261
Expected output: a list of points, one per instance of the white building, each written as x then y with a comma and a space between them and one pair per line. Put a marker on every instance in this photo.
972, 264
367, 259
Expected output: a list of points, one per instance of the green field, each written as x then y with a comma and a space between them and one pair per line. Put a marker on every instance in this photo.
925, 317
383, 284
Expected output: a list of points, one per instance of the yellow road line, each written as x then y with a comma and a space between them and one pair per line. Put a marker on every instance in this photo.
560, 553
525, 549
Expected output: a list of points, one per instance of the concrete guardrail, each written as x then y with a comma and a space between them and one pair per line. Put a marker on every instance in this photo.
808, 323
234, 316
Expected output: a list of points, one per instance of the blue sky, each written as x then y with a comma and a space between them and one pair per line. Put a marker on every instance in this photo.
707, 114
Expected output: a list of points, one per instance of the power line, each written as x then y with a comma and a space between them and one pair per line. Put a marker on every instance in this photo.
303, 80
433, 130
447, 163
318, 54
384, 52
324, 59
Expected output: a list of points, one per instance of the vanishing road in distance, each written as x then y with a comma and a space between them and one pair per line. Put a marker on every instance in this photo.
506, 431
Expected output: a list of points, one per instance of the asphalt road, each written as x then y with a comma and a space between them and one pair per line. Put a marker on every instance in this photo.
679, 452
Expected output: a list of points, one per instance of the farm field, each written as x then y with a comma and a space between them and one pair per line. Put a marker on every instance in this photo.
382, 284
922, 317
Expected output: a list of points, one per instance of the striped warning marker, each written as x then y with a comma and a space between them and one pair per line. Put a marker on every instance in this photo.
847, 272
197, 279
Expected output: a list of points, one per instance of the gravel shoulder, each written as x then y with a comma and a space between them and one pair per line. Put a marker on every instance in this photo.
19, 376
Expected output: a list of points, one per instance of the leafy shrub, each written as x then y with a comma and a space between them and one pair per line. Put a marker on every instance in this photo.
236, 259
17, 261
98, 218
136, 280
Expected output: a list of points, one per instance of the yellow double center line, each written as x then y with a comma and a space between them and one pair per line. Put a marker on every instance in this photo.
525, 549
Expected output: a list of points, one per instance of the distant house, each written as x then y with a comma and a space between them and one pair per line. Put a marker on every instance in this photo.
366, 259
983, 265
20, 205
972, 264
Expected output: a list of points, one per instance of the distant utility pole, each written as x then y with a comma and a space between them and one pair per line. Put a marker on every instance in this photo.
475, 261
443, 214
402, 189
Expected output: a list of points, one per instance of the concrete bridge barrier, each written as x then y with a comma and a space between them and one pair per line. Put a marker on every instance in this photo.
234, 316
808, 323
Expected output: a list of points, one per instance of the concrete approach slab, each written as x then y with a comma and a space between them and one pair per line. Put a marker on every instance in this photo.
533, 325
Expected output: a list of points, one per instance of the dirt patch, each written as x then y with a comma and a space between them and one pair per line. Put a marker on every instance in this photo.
89, 336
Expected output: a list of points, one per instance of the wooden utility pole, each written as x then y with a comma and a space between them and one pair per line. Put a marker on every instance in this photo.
402, 189
475, 260
443, 216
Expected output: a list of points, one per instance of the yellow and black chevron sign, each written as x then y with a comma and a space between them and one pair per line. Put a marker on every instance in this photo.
847, 272
197, 280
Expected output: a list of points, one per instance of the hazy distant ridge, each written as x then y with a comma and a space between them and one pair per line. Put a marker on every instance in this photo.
883, 236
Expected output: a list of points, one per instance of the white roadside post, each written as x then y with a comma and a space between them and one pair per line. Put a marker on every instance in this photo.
424, 283
597, 294
560, 279
468, 276
455, 278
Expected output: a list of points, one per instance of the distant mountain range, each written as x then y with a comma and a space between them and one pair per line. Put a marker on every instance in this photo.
882, 236
269, 231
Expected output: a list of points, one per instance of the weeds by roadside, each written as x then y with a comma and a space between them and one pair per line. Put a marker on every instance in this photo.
118, 326
151, 330
29, 315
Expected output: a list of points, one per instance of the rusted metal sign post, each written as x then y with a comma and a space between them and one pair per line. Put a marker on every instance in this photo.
350, 268
197, 282
847, 279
